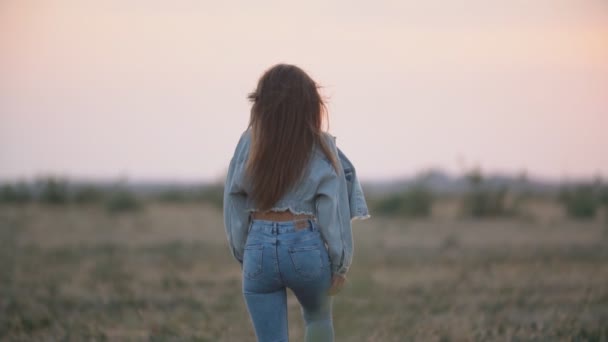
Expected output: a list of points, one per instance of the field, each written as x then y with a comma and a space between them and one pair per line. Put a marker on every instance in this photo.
78, 273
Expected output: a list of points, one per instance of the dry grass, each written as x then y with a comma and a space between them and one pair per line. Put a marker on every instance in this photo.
165, 273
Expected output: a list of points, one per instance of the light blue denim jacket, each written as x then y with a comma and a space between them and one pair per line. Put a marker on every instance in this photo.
334, 198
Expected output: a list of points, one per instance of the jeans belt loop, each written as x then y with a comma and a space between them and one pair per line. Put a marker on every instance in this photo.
311, 223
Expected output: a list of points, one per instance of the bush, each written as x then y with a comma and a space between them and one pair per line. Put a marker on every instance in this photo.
486, 203
174, 196
603, 196
15, 193
53, 190
122, 200
483, 201
415, 202
581, 201
213, 194
88, 194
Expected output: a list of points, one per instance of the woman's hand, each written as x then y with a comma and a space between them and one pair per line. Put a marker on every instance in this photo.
337, 282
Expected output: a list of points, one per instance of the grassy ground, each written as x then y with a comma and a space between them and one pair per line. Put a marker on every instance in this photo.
165, 273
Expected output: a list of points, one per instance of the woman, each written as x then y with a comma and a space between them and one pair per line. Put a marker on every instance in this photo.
289, 199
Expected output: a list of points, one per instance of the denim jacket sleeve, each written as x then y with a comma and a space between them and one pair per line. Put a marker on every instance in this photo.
356, 197
339, 200
236, 217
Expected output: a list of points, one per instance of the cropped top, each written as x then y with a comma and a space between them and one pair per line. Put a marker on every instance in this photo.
334, 198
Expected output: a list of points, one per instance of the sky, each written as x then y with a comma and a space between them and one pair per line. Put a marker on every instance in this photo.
156, 90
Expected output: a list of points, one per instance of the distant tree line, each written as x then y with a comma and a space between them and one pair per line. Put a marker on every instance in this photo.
482, 198
581, 200
115, 197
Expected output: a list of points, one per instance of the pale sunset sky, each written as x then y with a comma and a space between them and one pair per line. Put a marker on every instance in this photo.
156, 90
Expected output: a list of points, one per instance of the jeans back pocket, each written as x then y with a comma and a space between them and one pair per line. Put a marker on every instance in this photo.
252, 260
307, 260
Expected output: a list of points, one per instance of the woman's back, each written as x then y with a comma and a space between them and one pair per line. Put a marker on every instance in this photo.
334, 199
299, 199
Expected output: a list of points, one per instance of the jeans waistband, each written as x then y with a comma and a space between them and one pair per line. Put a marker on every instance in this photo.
281, 227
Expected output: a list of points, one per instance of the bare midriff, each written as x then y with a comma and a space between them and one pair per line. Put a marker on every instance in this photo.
286, 215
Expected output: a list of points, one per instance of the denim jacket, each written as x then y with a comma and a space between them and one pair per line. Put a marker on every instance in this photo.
334, 198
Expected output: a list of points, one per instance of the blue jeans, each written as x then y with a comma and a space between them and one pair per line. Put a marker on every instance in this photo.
280, 254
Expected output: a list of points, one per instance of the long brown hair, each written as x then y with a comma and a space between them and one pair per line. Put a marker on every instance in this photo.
285, 122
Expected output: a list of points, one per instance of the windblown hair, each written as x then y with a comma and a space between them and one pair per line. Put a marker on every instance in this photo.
285, 122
